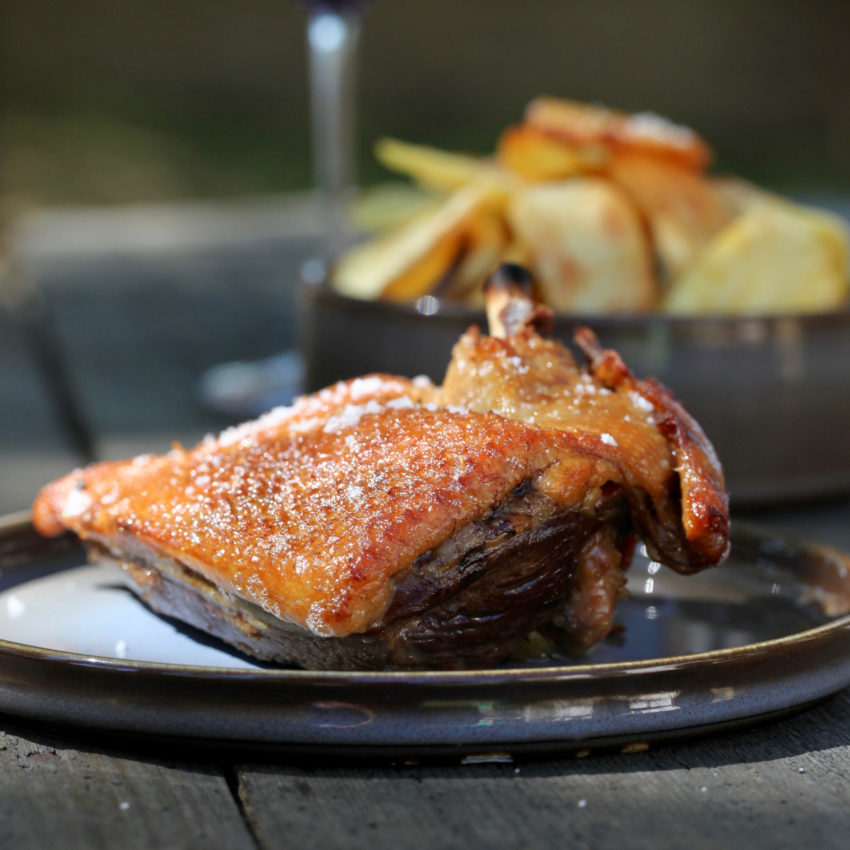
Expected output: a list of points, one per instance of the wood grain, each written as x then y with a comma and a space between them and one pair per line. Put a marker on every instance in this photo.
782, 785
55, 795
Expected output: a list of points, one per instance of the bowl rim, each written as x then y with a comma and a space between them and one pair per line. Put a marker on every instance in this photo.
441, 308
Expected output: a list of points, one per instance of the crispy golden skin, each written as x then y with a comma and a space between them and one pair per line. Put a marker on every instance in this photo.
316, 512
313, 519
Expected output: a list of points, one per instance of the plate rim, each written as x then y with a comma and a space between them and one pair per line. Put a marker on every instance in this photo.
421, 714
20, 522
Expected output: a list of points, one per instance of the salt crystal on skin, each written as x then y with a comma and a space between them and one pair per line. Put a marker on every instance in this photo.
350, 415
518, 364
357, 389
354, 492
276, 416
305, 425
369, 385
451, 408
640, 402
608, 439
77, 502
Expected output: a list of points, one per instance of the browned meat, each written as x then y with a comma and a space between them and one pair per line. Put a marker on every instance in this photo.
384, 522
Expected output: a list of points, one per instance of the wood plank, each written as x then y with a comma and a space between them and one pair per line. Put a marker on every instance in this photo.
54, 795
782, 785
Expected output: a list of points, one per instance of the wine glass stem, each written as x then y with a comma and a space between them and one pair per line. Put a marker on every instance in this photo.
332, 46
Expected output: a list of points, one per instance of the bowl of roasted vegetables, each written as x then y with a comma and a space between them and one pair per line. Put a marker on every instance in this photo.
735, 297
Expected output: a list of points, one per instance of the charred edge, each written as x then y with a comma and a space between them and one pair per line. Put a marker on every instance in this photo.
509, 306
511, 279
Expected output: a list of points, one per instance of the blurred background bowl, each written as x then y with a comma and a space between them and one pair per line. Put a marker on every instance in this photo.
771, 392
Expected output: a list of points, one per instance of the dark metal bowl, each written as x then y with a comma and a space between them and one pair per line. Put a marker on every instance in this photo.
772, 392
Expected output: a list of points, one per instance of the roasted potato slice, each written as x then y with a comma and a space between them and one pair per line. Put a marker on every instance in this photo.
610, 211
389, 205
486, 242
536, 155
775, 258
438, 169
583, 124
683, 209
741, 196
428, 272
413, 259
586, 244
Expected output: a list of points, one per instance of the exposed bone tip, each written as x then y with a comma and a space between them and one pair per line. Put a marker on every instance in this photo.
510, 277
588, 342
507, 298
605, 364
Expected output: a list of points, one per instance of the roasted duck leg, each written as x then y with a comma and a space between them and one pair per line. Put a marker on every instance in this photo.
386, 522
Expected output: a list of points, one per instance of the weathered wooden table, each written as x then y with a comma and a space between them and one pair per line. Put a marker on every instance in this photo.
137, 313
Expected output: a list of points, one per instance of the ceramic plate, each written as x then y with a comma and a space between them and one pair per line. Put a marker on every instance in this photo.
766, 633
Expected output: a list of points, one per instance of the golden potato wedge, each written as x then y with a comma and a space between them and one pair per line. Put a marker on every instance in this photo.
389, 205
775, 258
587, 246
683, 209
536, 155
517, 252
411, 260
609, 210
426, 273
485, 244
586, 124
438, 169
741, 196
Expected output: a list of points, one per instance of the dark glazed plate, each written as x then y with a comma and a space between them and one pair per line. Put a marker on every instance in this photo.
771, 392
764, 634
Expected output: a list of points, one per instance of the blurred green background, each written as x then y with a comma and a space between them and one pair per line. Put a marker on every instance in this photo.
153, 100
